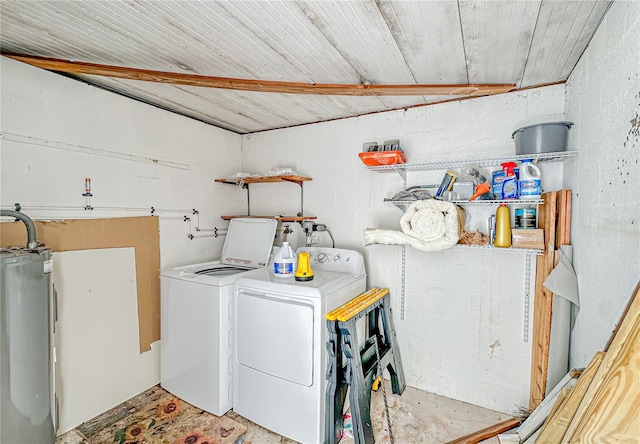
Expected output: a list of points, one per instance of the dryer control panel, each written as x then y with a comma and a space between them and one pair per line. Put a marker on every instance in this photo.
335, 259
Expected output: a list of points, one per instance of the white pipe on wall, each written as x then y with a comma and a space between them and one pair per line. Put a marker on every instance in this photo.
93, 151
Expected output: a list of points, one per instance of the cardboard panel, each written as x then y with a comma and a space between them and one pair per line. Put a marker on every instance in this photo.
142, 233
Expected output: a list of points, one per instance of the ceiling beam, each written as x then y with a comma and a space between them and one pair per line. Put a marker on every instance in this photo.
260, 85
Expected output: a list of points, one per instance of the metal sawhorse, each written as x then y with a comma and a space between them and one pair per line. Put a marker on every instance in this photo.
364, 363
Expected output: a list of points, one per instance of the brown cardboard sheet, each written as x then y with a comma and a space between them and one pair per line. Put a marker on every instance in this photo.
86, 234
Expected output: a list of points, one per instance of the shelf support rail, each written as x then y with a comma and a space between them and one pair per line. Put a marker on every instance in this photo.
403, 282
527, 294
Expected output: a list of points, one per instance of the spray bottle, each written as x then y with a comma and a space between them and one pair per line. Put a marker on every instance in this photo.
510, 184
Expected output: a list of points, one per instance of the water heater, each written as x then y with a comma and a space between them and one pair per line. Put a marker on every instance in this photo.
25, 347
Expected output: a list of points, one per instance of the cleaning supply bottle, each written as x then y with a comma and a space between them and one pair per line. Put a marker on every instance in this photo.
529, 183
503, 227
510, 183
284, 262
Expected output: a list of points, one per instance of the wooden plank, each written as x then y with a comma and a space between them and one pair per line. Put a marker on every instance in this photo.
563, 225
260, 85
567, 223
537, 418
556, 425
560, 216
540, 343
278, 218
562, 397
609, 410
622, 317
490, 28
543, 303
487, 432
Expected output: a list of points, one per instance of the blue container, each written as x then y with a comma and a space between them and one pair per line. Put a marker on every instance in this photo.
525, 218
497, 177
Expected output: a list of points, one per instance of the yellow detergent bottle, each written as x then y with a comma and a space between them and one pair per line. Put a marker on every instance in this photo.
503, 227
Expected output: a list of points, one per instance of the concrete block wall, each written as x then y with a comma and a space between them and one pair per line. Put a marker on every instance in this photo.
462, 332
461, 335
67, 113
50, 107
603, 99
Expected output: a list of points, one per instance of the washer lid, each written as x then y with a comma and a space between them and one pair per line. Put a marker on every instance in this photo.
249, 242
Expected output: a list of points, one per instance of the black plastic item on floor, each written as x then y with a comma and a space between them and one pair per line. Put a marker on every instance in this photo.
364, 363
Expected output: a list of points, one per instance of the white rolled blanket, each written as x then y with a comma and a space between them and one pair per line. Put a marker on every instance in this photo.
427, 225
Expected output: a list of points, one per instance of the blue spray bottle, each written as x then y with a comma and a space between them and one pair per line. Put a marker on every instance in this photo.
510, 184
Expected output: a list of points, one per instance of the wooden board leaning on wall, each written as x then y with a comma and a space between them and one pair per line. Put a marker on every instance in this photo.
87, 234
554, 217
603, 405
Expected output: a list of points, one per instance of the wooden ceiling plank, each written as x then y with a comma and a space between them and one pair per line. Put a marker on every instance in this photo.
429, 37
497, 36
556, 46
259, 85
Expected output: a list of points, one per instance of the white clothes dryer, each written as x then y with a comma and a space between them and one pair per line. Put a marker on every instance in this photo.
280, 350
196, 316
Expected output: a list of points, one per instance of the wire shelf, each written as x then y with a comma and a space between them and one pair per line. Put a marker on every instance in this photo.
480, 162
528, 251
403, 204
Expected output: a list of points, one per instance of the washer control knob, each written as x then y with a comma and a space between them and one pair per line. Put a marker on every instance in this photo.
337, 258
322, 257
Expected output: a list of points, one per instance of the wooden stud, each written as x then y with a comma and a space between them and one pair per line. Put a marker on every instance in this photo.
543, 303
487, 432
563, 225
567, 224
261, 85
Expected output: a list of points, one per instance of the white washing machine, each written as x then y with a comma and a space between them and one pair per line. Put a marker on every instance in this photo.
196, 316
280, 351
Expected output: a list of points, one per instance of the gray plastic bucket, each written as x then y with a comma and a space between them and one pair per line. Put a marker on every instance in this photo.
550, 137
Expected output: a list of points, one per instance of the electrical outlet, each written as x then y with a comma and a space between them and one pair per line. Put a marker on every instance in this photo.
315, 240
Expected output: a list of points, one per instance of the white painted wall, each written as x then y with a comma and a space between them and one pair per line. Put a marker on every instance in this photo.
603, 99
47, 106
462, 332
463, 327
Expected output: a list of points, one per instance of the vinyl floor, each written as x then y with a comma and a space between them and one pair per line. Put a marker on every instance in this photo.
417, 417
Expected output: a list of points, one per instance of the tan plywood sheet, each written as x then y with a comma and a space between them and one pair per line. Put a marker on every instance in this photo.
609, 412
142, 233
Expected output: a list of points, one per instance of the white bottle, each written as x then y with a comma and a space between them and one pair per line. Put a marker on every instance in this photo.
529, 182
285, 262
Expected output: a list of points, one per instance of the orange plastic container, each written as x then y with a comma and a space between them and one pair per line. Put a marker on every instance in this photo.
377, 158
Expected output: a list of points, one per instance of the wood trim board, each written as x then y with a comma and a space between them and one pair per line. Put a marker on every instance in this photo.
487, 432
173, 78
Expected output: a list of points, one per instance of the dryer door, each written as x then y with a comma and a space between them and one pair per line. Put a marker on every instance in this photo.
274, 335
